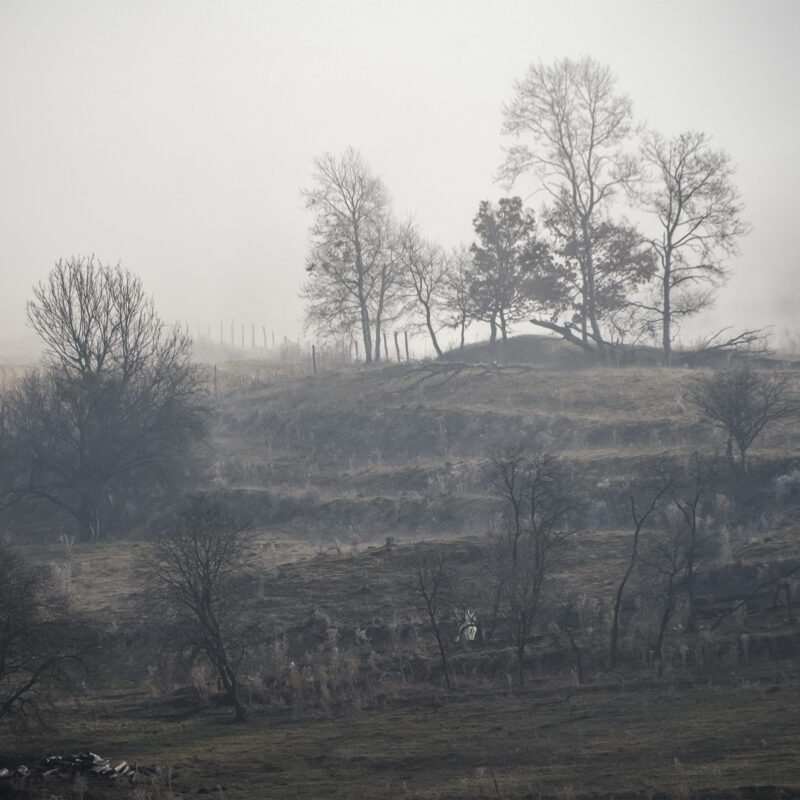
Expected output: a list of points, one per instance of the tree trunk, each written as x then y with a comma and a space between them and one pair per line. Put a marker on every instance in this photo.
89, 518
432, 332
442, 654
591, 289
227, 676
367, 336
377, 356
665, 617
239, 709
666, 330
618, 605
366, 333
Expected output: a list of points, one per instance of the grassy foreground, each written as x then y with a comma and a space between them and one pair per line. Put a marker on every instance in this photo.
670, 738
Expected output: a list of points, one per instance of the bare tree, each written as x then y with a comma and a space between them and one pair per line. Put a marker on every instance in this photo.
39, 642
671, 551
688, 492
457, 301
432, 581
540, 502
355, 258
692, 196
577, 126
426, 271
639, 521
116, 403
198, 560
743, 403
665, 558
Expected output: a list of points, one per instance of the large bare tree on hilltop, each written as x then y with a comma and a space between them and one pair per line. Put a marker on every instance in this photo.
571, 128
699, 223
427, 272
355, 258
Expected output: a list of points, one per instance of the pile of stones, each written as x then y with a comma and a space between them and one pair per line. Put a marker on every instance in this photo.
78, 764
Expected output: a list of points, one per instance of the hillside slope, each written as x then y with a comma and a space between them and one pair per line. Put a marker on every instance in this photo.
405, 449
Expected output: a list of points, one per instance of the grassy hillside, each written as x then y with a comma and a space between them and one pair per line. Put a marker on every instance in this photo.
403, 449
351, 479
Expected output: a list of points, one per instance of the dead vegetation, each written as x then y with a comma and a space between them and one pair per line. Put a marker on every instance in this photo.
351, 480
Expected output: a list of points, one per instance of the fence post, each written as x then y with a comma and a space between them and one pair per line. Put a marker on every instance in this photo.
314, 358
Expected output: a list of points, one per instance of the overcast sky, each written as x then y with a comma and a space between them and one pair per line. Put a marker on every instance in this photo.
175, 137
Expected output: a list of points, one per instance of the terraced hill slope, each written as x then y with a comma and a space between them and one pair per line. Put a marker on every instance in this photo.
403, 449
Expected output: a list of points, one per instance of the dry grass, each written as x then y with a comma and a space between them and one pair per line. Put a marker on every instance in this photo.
604, 740
328, 466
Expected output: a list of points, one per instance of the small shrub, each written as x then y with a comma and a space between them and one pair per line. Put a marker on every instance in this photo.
787, 487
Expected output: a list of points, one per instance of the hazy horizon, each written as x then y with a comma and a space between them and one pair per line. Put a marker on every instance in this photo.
175, 137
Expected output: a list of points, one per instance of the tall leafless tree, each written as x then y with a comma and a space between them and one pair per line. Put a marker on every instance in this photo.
689, 491
115, 404
432, 580
540, 503
639, 521
571, 129
426, 272
699, 220
664, 559
457, 300
354, 265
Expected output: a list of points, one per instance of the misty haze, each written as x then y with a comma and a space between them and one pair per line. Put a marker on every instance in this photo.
399, 399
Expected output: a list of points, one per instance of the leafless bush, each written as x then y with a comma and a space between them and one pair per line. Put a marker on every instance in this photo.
40, 643
743, 402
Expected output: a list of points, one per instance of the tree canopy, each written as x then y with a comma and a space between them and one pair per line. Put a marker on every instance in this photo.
354, 262
114, 405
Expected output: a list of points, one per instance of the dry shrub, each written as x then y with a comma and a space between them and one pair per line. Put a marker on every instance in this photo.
161, 677
204, 680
